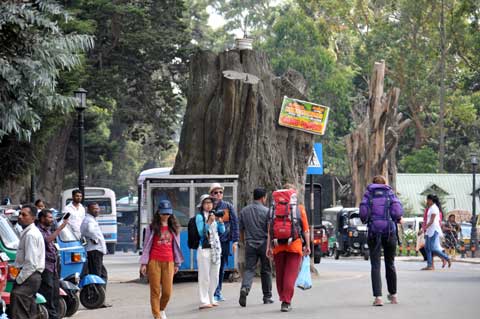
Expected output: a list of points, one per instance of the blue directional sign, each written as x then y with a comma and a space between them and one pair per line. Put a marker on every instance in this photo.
315, 164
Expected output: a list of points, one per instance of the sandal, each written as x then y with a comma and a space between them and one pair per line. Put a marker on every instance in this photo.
206, 306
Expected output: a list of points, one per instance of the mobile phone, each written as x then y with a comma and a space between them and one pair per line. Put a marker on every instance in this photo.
66, 216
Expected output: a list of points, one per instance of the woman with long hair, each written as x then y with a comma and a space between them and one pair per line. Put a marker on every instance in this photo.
209, 227
161, 257
433, 231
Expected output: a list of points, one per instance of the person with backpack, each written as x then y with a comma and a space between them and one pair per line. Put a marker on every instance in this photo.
381, 210
287, 242
433, 231
209, 226
231, 234
161, 257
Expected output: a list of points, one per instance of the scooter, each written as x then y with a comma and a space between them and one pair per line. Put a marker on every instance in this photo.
72, 260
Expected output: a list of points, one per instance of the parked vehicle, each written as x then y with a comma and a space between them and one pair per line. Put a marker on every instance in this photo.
9, 241
4, 259
105, 198
183, 191
350, 232
127, 227
320, 243
72, 260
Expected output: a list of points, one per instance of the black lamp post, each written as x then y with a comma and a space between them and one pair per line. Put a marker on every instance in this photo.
473, 236
81, 96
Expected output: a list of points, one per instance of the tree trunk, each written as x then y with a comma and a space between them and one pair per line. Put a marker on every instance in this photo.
441, 116
231, 126
372, 146
52, 166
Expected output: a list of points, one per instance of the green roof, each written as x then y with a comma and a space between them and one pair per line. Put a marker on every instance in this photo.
455, 188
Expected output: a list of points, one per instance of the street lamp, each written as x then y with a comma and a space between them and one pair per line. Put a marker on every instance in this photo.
81, 97
473, 236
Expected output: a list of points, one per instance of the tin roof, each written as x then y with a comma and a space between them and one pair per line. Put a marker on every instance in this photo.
456, 189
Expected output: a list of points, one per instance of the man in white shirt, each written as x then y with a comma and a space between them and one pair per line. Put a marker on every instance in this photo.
96, 246
30, 260
432, 233
76, 210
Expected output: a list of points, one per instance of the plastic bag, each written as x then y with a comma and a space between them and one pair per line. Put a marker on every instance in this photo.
304, 279
420, 242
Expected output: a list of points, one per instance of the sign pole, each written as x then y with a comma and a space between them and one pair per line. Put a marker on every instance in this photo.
312, 203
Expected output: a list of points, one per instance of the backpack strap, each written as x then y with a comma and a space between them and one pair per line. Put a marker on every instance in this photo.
369, 208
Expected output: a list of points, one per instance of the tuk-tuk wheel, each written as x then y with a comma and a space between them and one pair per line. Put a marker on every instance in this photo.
72, 305
62, 308
42, 312
337, 254
92, 296
366, 256
316, 259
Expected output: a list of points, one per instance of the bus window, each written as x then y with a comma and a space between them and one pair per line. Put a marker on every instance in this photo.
180, 199
105, 204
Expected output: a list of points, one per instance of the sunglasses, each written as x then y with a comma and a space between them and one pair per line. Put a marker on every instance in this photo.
217, 192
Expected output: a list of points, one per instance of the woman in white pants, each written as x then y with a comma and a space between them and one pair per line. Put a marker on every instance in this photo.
209, 251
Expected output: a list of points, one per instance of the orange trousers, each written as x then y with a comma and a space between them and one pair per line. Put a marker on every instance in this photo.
160, 277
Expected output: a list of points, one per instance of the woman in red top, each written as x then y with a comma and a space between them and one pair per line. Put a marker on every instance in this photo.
162, 246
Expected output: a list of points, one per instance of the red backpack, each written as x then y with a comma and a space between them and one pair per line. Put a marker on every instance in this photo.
285, 224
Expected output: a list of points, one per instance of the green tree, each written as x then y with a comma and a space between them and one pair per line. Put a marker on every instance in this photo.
424, 160
31, 63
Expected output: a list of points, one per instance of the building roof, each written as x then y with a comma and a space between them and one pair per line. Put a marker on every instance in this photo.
456, 190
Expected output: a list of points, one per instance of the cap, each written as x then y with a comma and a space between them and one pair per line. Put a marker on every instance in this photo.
165, 207
215, 186
202, 198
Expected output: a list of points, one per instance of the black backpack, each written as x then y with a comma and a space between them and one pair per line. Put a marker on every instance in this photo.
193, 236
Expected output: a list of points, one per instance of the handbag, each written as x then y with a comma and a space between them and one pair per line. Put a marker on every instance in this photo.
304, 279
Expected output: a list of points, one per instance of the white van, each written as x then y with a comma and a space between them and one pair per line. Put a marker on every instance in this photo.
107, 219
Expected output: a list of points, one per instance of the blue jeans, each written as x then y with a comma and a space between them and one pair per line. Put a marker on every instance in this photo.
223, 263
431, 246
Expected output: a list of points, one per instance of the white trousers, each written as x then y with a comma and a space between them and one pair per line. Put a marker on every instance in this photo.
207, 276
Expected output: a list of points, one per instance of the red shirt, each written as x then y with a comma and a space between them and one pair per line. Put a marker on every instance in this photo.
162, 245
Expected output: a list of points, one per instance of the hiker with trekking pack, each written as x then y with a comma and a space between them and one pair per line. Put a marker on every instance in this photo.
288, 241
381, 210
230, 235
208, 225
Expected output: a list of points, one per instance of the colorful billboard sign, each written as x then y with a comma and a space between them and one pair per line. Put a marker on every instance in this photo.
305, 116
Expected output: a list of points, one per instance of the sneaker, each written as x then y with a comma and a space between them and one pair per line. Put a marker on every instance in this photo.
267, 301
163, 315
393, 299
218, 298
285, 307
377, 302
243, 297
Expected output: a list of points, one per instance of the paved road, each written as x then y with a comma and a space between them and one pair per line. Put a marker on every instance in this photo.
342, 290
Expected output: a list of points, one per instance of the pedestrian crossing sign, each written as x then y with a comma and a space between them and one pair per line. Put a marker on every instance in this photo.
315, 163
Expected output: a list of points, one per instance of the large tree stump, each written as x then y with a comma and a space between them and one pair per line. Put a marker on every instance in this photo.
372, 145
230, 124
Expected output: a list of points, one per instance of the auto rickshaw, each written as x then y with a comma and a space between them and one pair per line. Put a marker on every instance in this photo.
9, 241
351, 234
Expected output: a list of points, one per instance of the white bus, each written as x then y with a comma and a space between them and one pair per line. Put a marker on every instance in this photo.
107, 219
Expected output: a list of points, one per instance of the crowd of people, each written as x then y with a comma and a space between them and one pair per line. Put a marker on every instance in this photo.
37, 257
219, 228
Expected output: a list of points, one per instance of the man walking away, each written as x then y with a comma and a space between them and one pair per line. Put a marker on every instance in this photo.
230, 235
253, 223
30, 260
96, 246
76, 210
50, 281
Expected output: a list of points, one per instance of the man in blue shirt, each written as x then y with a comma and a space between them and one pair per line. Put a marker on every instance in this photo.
231, 233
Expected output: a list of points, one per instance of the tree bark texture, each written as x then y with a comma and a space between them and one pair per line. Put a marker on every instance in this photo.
372, 145
52, 166
231, 125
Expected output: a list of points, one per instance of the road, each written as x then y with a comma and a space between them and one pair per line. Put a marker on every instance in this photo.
342, 290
